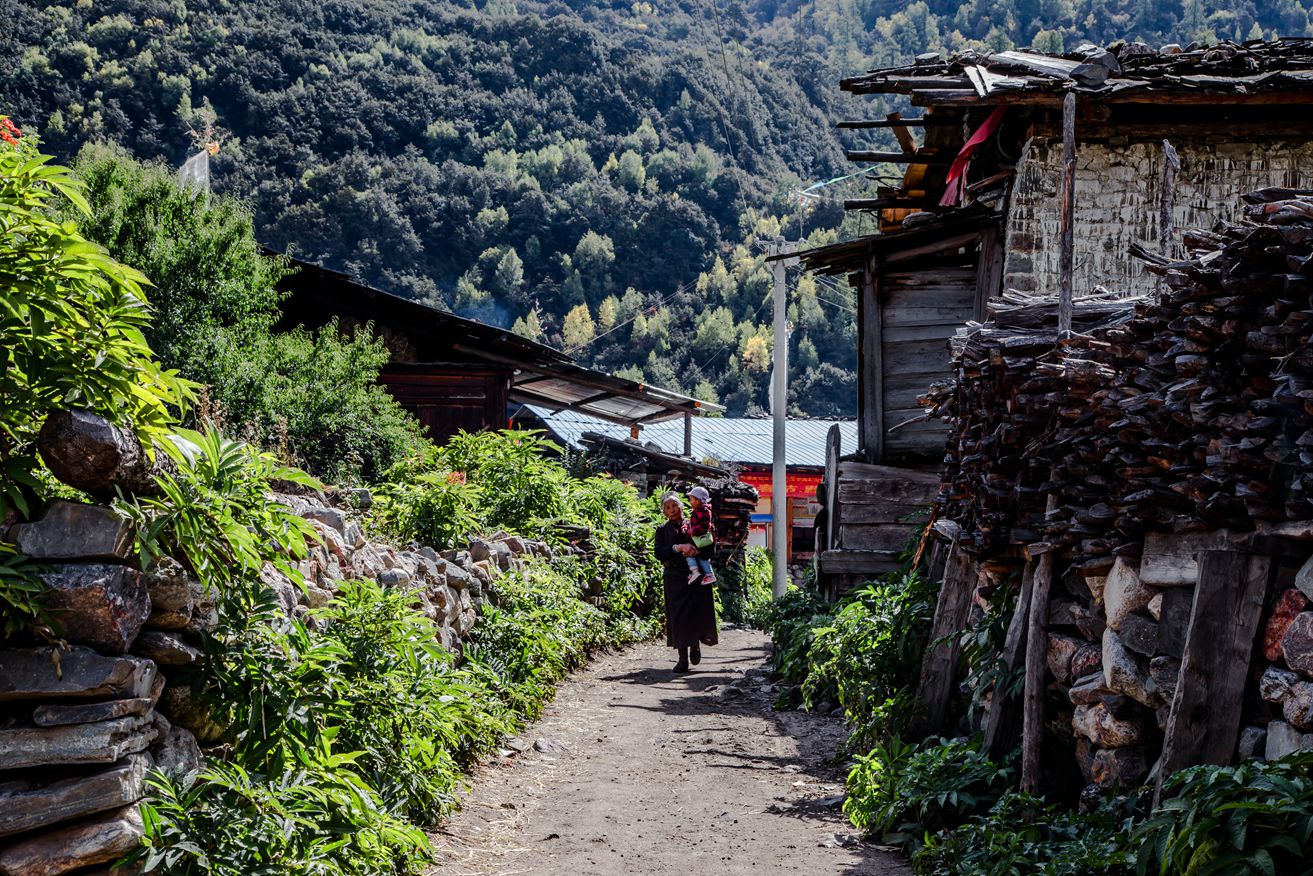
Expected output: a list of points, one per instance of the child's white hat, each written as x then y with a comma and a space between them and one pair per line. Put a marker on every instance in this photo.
700, 493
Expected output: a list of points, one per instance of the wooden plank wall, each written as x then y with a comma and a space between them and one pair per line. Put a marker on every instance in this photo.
450, 398
920, 311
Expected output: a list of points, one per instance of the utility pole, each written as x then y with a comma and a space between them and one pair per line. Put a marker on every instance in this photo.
779, 504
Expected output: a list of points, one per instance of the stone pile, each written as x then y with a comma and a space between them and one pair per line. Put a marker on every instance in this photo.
1162, 429
79, 727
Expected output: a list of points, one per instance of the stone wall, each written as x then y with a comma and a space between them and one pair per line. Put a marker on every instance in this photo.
1117, 203
81, 725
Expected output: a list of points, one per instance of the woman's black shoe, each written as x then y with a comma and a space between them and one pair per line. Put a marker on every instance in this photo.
682, 665
695, 655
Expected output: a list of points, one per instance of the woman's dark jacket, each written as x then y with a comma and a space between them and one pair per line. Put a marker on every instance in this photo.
690, 608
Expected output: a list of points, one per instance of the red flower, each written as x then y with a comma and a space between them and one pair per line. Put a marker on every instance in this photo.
9, 132
456, 477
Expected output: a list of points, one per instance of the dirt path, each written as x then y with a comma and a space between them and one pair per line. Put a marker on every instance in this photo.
635, 770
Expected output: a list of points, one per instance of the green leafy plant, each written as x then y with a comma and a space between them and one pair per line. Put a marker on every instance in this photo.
745, 589
900, 791
22, 595
869, 655
1022, 836
1254, 819
319, 817
71, 321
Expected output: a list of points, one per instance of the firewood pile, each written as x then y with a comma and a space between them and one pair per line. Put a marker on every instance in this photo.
1162, 434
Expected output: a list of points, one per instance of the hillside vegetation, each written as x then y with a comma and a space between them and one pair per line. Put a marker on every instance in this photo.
594, 174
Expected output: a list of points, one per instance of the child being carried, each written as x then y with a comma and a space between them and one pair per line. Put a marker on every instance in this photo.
701, 532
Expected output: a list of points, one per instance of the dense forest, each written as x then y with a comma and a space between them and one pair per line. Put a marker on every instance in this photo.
594, 174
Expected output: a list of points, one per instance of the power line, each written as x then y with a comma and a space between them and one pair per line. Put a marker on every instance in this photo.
645, 308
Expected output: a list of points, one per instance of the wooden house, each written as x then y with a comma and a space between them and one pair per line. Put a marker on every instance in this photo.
1163, 139
458, 374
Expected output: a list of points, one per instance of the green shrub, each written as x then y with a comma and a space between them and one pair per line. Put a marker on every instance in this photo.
413, 717
311, 396
900, 792
523, 485
745, 591
792, 621
319, 817
1246, 820
868, 657
1021, 836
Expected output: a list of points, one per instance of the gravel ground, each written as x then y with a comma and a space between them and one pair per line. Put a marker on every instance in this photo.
636, 770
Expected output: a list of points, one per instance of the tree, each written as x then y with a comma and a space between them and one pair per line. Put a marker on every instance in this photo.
578, 328
508, 278
629, 171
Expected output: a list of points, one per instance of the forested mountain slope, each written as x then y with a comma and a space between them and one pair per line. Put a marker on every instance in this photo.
577, 169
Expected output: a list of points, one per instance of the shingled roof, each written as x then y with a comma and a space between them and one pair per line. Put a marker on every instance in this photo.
1122, 73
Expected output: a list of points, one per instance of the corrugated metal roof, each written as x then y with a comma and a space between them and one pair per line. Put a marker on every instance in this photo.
723, 438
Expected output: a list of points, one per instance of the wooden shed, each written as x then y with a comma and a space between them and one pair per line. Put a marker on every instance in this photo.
458, 374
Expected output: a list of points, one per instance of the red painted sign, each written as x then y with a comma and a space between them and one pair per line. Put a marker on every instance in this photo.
798, 485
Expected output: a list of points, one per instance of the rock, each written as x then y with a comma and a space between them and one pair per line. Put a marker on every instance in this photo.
57, 715
1288, 607
543, 745
457, 577
102, 742
1088, 690
1125, 672
1060, 651
1304, 578
1297, 707
448, 603
1085, 757
354, 537
1088, 658
316, 596
1297, 643
1165, 673
1253, 743
330, 517
176, 752
166, 649
205, 616
172, 594
394, 578
479, 549
465, 622
75, 531
78, 673
501, 557
366, 563
1123, 593
1174, 621
362, 498
283, 587
1096, 583
97, 604
84, 844
1090, 621
1162, 715
88, 452
1119, 768
515, 545
1097, 723
1282, 739
483, 572
1140, 634
1275, 684
26, 806
1156, 606
184, 709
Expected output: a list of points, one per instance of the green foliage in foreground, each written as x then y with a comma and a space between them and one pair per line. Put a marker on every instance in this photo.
1255, 819
348, 728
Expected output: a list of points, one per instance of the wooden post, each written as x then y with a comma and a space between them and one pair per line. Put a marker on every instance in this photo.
688, 435
1067, 218
1000, 715
1204, 721
1037, 645
939, 666
1167, 203
872, 366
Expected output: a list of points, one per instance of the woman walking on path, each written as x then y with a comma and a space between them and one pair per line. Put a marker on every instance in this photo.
690, 608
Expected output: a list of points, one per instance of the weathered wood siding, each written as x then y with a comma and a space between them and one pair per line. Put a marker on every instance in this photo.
1117, 204
450, 398
921, 309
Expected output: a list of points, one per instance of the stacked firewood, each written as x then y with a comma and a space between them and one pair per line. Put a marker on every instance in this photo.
1190, 413
1158, 430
